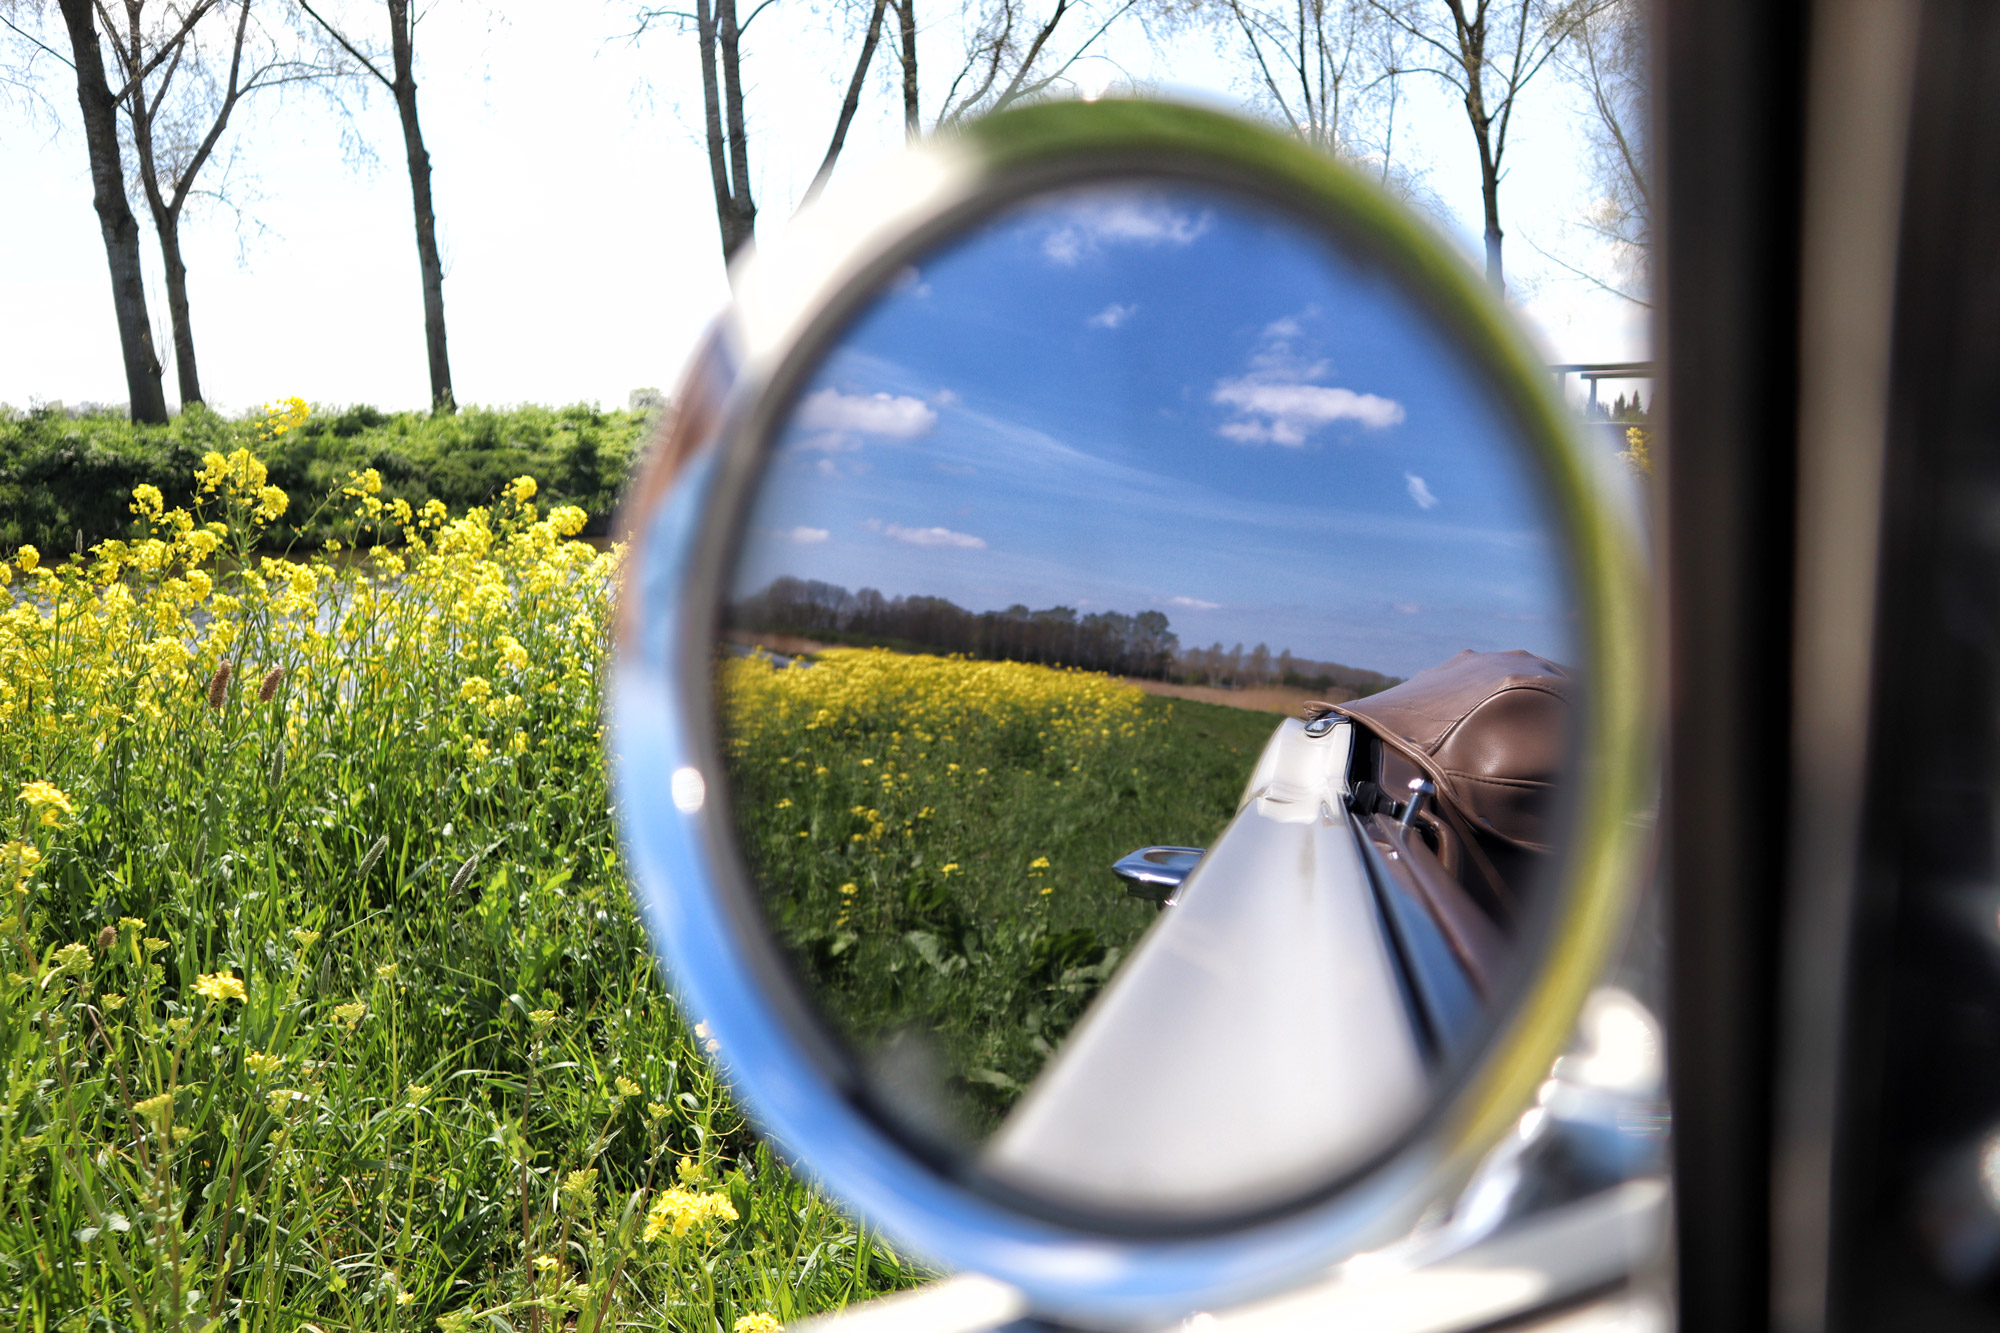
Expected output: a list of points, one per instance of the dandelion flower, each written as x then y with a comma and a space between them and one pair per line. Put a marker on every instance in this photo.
220, 986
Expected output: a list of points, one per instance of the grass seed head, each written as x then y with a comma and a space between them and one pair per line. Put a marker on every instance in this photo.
372, 855
464, 875
268, 688
218, 686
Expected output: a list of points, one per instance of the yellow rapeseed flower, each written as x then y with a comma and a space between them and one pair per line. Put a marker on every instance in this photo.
680, 1210
759, 1322
47, 803
221, 986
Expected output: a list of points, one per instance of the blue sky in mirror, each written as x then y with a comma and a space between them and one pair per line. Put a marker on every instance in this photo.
1142, 398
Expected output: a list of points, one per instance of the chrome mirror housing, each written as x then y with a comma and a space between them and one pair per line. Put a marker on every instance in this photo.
1388, 931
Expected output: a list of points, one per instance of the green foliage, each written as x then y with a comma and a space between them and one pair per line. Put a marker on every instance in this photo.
63, 475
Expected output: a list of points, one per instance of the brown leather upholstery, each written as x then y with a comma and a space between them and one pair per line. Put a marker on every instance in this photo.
1491, 730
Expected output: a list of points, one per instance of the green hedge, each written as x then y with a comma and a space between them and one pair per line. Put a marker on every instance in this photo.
61, 475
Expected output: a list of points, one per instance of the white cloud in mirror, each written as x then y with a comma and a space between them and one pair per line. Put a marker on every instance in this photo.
933, 536
1420, 492
1131, 220
897, 416
1194, 604
805, 536
1276, 413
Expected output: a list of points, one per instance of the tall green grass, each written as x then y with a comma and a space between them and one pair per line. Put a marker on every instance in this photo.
322, 1000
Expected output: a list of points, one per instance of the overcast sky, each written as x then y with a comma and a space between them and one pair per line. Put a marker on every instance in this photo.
575, 214
1133, 399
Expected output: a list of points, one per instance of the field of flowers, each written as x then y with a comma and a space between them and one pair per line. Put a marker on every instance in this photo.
322, 1002
935, 836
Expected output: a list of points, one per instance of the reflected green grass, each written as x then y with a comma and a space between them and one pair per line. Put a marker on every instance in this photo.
934, 839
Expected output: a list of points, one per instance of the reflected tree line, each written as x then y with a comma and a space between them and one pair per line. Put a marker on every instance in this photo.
1110, 641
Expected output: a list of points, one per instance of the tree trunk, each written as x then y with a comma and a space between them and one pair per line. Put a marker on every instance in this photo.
743, 207
1490, 190
728, 146
114, 216
168, 224
404, 88
912, 114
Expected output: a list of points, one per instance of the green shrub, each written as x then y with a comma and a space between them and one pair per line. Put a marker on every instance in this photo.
66, 481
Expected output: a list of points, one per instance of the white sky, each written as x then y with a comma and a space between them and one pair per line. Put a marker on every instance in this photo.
576, 218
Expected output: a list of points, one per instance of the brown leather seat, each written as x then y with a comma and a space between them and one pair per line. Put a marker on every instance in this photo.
1490, 730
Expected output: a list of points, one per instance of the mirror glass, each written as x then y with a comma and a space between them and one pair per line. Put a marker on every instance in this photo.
1146, 683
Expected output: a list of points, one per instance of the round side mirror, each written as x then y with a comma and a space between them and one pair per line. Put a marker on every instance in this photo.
1061, 940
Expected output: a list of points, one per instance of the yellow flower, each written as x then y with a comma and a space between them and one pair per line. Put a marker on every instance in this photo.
47, 803
221, 986
27, 557
759, 1322
948, 868
263, 1062
522, 489
680, 1210
579, 1187
351, 1013
305, 939
475, 689
417, 1092
147, 502
1040, 863
626, 1087
156, 1108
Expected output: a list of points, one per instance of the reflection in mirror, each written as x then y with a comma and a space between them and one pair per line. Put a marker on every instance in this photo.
1141, 699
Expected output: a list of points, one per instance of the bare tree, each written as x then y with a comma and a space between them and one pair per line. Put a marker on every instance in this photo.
1487, 51
1309, 55
177, 105
1607, 57
1011, 57
98, 100
719, 40
401, 83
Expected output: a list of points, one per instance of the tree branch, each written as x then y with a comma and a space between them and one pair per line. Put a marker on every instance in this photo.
348, 46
